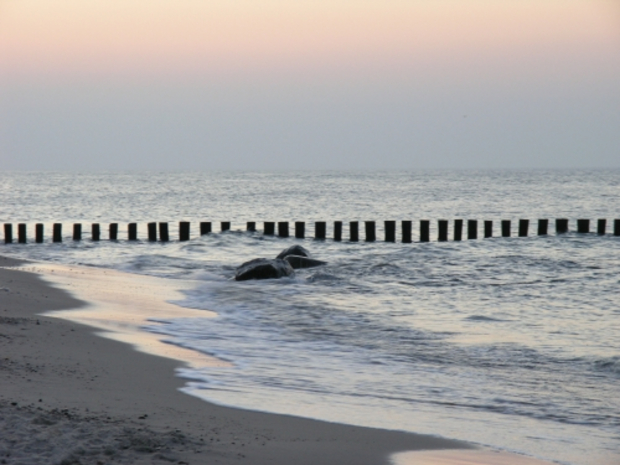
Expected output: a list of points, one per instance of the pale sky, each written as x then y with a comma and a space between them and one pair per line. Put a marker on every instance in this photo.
309, 84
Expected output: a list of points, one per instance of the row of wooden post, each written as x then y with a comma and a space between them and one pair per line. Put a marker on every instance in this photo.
320, 230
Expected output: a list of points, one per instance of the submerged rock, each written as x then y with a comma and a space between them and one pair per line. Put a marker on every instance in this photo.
294, 250
297, 261
263, 268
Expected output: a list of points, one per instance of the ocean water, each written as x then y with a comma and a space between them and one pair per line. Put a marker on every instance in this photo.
508, 342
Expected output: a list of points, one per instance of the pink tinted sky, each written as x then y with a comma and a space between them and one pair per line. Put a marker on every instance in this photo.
129, 37
495, 58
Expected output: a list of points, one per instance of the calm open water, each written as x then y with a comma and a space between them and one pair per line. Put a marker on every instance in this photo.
510, 342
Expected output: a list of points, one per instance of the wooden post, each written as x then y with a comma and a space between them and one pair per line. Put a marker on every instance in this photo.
406, 231
77, 232
354, 231
425, 230
8, 233
21, 233
601, 227
390, 231
458, 230
338, 231
283, 228
472, 229
543, 225
132, 232
225, 225
488, 228
505, 228
38, 231
205, 228
152, 231
616, 227
320, 229
442, 235
57, 232
270, 228
95, 232
184, 230
113, 231
163, 232
523, 227
370, 231
583, 226
561, 225
250, 226
300, 229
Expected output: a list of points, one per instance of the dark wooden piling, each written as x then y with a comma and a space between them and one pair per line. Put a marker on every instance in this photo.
21, 233
543, 226
283, 229
442, 232
583, 226
8, 233
113, 231
425, 230
184, 230
250, 226
354, 231
57, 232
132, 231
458, 230
205, 228
270, 228
390, 231
95, 232
164, 236
338, 231
406, 231
561, 225
152, 231
505, 228
472, 229
300, 229
488, 228
371, 234
38, 233
77, 232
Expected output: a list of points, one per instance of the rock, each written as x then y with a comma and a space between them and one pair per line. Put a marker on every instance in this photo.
297, 261
263, 268
294, 250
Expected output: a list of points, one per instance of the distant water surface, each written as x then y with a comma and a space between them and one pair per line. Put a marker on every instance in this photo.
510, 342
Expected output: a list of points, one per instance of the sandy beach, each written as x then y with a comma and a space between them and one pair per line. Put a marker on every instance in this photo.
69, 396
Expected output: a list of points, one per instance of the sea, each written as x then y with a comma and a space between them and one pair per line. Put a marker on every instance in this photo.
510, 342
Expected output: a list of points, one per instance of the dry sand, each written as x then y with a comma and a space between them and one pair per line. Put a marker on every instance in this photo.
68, 396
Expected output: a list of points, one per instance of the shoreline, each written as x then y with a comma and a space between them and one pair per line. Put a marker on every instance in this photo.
104, 402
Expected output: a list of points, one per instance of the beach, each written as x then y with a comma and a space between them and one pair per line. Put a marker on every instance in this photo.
508, 343
70, 396
450, 170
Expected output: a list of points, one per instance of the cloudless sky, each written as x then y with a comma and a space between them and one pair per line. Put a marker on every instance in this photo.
309, 84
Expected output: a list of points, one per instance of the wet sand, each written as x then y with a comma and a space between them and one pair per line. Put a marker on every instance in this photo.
70, 396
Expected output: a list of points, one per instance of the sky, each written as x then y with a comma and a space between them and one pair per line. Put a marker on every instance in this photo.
309, 84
